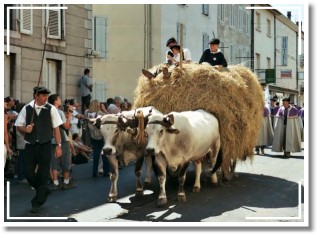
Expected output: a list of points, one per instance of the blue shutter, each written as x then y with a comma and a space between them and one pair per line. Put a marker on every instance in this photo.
205, 42
100, 35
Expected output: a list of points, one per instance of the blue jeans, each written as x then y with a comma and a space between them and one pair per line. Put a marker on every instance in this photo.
97, 146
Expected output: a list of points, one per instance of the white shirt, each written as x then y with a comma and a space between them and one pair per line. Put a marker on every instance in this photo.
186, 52
55, 117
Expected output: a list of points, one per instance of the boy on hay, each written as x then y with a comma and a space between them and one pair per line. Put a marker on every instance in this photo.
174, 58
214, 56
287, 132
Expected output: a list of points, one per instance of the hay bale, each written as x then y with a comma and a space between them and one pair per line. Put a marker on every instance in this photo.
234, 97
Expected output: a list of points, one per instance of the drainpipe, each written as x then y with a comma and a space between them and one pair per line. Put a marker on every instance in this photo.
297, 77
252, 38
147, 37
275, 54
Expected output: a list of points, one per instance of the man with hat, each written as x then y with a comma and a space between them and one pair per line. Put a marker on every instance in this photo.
150, 74
274, 110
214, 56
287, 132
39, 122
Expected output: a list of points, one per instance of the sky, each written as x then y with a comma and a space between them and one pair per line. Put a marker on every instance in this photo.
297, 10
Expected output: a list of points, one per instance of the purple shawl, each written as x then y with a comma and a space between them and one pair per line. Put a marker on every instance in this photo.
292, 113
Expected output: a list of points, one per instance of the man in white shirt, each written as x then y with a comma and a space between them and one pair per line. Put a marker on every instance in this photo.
39, 122
186, 52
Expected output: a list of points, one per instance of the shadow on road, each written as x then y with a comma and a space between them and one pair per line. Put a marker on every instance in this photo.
248, 190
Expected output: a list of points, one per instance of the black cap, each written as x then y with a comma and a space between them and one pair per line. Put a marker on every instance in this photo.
214, 41
287, 99
171, 40
274, 99
41, 90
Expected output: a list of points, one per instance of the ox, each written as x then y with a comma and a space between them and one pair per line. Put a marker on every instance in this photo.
122, 145
178, 138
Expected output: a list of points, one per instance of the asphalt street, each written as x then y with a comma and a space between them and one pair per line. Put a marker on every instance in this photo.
266, 189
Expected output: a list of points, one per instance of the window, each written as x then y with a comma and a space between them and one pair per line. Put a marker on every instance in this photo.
222, 46
240, 19
26, 19
222, 13
179, 26
269, 28
268, 62
258, 21
258, 61
248, 23
301, 60
205, 41
11, 17
240, 56
54, 20
248, 59
205, 9
232, 12
100, 35
231, 54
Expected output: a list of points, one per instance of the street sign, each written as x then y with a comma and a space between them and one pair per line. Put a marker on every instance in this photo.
270, 76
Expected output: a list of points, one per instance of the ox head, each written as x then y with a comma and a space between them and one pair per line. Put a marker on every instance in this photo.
113, 128
159, 128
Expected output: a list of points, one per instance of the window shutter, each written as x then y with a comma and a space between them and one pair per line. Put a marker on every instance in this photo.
53, 19
205, 9
205, 41
26, 20
100, 35
222, 12
248, 26
232, 15
183, 34
99, 90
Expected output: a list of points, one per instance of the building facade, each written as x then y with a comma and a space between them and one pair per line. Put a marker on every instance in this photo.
234, 32
136, 39
118, 40
277, 53
66, 35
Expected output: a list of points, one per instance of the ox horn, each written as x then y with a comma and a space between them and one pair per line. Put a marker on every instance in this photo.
97, 122
169, 119
121, 123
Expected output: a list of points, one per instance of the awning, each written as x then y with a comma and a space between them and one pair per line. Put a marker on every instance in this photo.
279, 95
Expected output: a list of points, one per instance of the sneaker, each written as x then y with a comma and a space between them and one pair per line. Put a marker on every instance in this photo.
70, 185
55, 187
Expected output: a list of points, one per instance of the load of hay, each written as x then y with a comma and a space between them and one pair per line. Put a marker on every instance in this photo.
235, 97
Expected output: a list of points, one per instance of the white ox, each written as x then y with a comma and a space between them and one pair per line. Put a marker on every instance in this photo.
178, 138
123, 146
